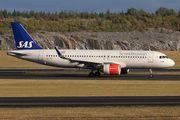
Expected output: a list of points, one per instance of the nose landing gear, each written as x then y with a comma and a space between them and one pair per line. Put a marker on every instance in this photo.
151, 75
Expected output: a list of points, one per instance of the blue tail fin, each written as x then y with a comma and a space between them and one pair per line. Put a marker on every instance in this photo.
22, 38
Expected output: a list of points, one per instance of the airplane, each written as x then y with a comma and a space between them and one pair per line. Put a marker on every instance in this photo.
111, 62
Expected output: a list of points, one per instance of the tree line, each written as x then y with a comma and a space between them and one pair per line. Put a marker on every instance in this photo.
70, 21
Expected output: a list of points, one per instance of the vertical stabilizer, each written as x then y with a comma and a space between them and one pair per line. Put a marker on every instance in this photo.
22, 38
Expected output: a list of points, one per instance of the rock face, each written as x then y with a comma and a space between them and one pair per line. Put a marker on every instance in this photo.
152, 39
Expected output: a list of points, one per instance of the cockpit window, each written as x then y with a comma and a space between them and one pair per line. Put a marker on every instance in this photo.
161, 57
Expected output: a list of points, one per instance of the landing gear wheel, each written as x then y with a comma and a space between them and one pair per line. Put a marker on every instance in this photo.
151, 75
97, 73
91, 74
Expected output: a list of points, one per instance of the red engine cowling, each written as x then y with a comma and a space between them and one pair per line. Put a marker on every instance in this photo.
124, 71
112, 69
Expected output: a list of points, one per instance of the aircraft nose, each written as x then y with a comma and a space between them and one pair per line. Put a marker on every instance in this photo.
171, 63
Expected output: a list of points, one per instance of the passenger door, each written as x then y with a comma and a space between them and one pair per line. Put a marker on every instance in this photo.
150, 58
40, 56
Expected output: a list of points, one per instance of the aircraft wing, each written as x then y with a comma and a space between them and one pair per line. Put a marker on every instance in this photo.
88, 63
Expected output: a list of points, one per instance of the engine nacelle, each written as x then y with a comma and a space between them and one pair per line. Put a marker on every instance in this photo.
124, 71
112, 69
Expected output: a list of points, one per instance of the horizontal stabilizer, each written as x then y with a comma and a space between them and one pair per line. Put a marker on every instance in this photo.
17, 53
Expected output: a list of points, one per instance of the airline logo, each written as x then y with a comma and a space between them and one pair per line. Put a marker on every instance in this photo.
27, 44
62, 52
161, 61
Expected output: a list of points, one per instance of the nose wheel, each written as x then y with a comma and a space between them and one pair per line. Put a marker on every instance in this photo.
151, 75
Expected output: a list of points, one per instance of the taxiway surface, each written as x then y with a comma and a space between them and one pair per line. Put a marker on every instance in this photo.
78, 76
88, 101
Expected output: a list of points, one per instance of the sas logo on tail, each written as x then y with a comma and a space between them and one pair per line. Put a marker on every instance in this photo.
26, 44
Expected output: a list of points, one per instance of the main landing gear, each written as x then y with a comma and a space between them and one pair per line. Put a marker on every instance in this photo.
92, 74
151, 75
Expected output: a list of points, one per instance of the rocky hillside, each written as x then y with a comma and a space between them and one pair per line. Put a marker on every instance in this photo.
155, 39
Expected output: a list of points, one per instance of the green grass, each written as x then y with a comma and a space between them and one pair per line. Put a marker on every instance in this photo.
65, 88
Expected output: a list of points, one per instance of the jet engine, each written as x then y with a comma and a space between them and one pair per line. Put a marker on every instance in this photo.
112, 69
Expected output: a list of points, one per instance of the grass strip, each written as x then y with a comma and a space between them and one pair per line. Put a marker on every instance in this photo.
66, 88
124, 112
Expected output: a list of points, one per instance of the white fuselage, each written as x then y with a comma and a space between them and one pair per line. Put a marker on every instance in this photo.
127, 58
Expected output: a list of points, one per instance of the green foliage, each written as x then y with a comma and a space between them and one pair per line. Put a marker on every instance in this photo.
70, 21
165, 12
133, 12
94, 35
37, 16
1, 16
